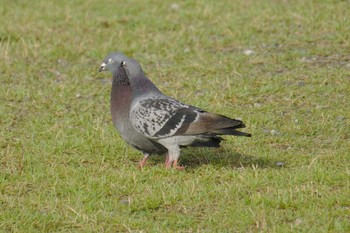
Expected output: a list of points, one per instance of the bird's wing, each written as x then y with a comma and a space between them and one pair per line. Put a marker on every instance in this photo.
165, 117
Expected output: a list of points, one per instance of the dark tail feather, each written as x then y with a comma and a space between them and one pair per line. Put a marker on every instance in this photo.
233, 131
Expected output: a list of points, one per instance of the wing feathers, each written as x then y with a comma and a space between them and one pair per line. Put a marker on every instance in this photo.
178, 122
160, 118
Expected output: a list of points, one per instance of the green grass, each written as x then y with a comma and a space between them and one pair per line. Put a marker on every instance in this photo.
64, 168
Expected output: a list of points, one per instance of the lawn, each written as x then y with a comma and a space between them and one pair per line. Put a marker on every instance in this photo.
283, 67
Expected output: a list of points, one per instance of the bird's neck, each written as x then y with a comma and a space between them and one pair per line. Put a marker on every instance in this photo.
120, 96
120, 80
140, 85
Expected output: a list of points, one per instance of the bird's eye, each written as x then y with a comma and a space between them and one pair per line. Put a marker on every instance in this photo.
123, 63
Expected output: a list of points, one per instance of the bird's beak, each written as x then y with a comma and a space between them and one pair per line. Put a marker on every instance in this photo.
103, 67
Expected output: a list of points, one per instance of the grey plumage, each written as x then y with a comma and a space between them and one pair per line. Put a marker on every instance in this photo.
162, 120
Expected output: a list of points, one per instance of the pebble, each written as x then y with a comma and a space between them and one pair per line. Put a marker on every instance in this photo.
248, 52
274, 132
175, 6
298, 221
280, 164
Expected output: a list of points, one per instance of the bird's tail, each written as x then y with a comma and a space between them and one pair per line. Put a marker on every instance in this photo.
231, 131
229, 126
214, 124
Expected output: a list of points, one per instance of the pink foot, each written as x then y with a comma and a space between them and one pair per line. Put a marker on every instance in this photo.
177, 167
173, 164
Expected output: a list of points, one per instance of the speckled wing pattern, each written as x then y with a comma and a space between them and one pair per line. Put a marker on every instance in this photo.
162, 117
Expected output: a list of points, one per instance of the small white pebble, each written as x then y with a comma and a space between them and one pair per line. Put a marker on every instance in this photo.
274, 132
174, 6
298, 221
280, 164
78, 95
186, 50
248, 52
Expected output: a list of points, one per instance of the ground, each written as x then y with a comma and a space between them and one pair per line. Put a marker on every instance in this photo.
283, 67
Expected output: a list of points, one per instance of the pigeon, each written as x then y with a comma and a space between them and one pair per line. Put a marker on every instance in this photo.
120, 101
164, 120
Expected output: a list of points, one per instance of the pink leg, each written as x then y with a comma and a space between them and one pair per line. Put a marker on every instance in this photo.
142, 163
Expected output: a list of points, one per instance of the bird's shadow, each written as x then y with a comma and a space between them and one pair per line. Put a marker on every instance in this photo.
197, 157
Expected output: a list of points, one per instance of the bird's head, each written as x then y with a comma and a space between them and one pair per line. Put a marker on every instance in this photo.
112, 62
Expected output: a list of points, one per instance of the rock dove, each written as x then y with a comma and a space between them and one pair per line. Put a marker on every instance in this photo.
121, 97
162, 120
